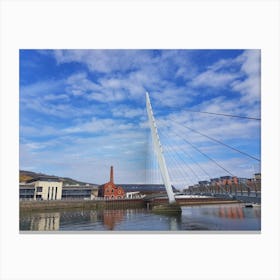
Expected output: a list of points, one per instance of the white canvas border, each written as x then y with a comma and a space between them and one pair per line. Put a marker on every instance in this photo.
156, 24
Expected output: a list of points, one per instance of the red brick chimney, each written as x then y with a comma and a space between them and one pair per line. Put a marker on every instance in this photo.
112, 175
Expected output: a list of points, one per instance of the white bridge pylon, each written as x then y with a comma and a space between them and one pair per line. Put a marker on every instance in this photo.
159, 151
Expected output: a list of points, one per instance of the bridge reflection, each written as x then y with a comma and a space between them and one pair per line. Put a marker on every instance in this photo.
204, 217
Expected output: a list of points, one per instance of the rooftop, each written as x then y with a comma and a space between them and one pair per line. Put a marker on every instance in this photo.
45, 178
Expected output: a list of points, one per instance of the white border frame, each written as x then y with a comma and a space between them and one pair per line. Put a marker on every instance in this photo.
132, 24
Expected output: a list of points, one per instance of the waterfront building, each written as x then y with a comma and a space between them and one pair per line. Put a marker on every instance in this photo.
133, 195
42, 188
257, 176
145, 188
110, 190
85, 192
26, 191
52, 188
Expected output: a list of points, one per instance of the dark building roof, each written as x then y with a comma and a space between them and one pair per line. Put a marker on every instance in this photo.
45, 178
225, 177
81, 187
27, 186
203, 182
214, 179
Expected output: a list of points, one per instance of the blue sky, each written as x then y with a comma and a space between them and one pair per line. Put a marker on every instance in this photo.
84, 110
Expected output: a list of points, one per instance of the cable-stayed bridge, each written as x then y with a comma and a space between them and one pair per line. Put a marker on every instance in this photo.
194, 161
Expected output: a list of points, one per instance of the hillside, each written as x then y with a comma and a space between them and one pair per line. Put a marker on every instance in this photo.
28, 175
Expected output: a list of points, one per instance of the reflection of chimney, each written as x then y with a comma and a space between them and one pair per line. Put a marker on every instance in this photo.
112, 175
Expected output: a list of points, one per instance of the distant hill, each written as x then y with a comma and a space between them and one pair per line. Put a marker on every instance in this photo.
28, 175
143, 188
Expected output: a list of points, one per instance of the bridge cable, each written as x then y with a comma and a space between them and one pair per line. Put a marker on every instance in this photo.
199, 166
187, 164
193, 171
215, 114
225, 115
217, 141
169, 149
214, 161
194, 161
172, 157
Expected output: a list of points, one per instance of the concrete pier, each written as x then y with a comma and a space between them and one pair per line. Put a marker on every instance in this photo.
167, 209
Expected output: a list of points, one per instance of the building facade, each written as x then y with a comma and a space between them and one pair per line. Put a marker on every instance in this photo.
52, 188
110, 190
87, 192
42, 188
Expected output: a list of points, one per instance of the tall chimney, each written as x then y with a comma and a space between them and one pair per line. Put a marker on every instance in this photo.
112, 175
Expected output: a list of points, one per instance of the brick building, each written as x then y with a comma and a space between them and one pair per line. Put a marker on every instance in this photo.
110, 190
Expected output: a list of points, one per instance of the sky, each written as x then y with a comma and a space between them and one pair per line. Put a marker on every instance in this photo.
82, 111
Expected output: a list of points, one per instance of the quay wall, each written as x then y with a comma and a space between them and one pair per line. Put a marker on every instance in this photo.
81, 204
31, 205
193, 201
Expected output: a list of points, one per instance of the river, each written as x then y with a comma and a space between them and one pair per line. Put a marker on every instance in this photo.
223, 217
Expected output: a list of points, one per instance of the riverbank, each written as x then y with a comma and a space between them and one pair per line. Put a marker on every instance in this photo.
81, 204
193, 201
111, 204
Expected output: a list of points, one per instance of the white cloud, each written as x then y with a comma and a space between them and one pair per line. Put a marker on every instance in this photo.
213, 79
171, 96
96, 125
104, 61
127, 112
107, 96
55, 97
240, 74
250, 87
35, 130
39, 89
78, 84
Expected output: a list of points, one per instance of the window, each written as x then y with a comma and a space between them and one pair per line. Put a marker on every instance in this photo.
39, 189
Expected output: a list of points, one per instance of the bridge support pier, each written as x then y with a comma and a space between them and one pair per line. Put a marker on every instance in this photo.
173, 209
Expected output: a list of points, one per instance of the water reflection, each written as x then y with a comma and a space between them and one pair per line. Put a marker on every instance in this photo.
175, 223
231, 212
208, 217
221, 217
112, 217
41, 222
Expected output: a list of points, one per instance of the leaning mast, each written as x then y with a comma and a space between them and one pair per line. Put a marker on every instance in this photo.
159, 151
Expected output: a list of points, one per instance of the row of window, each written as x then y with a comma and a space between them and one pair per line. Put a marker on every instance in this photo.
52, 193
76, 192
26, 192
113, 197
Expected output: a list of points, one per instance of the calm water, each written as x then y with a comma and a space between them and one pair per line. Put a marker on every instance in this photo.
213, 217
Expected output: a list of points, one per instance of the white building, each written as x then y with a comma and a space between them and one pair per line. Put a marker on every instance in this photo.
42, 188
